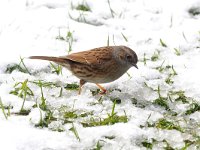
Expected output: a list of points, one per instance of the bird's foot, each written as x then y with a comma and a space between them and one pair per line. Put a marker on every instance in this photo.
103, 90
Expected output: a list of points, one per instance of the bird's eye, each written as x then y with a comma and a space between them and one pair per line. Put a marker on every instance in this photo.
128, 57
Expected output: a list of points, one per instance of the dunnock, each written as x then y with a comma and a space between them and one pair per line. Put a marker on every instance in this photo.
99, 65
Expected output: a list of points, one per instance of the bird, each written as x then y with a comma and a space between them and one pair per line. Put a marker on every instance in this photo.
98, 65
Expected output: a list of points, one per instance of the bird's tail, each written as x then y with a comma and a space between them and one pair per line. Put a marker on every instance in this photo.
58, 60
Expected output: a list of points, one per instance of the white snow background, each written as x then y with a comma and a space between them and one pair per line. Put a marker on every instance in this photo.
161, 100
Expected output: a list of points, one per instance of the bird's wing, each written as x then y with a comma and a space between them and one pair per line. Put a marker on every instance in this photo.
95, 57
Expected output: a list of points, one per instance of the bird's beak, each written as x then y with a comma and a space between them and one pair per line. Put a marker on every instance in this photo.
135, 66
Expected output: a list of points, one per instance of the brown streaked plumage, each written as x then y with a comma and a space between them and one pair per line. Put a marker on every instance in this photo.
99, 65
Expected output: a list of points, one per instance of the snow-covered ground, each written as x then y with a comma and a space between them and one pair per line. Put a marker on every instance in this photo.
158, 105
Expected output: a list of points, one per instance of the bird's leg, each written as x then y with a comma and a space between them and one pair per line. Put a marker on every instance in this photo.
82, 82
102, 89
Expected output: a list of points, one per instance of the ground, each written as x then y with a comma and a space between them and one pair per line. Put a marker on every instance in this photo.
154, 107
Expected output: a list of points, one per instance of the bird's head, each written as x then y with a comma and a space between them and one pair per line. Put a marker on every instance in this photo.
125, 55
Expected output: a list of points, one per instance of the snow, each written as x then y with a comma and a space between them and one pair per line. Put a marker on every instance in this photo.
30, 27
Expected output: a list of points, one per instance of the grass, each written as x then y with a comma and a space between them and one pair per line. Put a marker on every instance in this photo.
171, 21
167, 147
184, 37
111, 119
44, 83
161, 101
21, 89
180, 96
161, 67
187, 144
23, 64
69, 39
46, 120
155, 56
147, 144
11, 67
108, 41
193, 108
72, 86
169, 79
59, 37
98, 146
194, 11
56, 68
129, 75
86, 114
110, 137
99, 101
80, 18
125, 38
23, 112
162, 43
177, 51
83, 7
19, 67
70, 114
74, 130
111, 10
42, 105
144, 59
95, 92
146, 85
3, 109
173, 97
173, 71
168, 125
113, 38
61, 92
